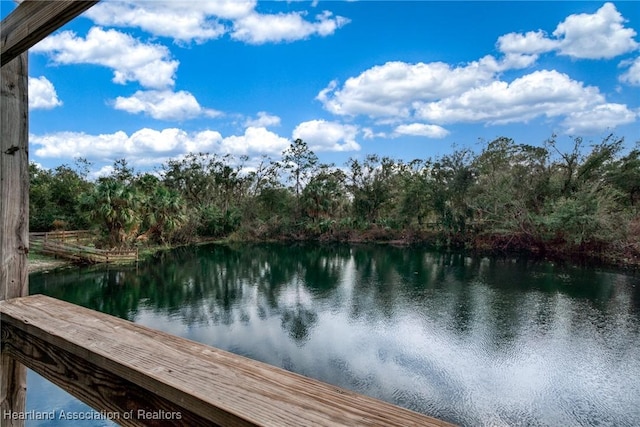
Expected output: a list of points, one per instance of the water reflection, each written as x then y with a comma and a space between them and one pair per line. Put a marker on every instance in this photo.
475, 341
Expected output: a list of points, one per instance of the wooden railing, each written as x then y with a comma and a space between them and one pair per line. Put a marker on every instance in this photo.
62, 235
87, 254
139, 376
58, 243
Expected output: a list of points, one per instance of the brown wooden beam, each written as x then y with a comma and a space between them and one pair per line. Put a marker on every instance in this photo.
14, 215
33, 20
114, 397
100, 358
14, 179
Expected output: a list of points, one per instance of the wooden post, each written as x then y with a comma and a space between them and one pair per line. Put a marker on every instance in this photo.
14, 219
29, 23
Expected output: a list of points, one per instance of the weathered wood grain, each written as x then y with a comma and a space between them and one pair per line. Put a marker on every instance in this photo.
220, 387
14, 179
32, 21
110, 394
63, 235
67, 244
85, 254
14, 215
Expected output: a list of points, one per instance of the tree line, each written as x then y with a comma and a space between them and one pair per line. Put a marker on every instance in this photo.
509, 196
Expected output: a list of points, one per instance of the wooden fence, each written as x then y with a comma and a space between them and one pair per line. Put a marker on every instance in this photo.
59, 244
87, 254
62, 235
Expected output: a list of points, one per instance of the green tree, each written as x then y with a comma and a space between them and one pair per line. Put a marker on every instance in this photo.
624, 175
162, 210
55, 196
512, 188
452, 179
229, 184
588, 216
190, 177
372, 184
415, 202
116, 206
42, 209
324, 197
300, 162
123, 172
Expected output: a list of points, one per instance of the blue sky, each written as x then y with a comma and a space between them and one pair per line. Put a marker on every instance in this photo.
154, 80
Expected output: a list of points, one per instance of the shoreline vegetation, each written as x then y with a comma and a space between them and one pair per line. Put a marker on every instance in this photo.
557, 201
627, 260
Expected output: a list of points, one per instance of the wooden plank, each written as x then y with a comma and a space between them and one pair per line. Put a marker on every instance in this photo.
93, 385
14, 215
62, 236
222, 388
79, 252
32, 21
14, 179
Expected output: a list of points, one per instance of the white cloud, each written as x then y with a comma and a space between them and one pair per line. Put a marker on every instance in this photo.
100, 173
254, 140
206, 20
632, 75
421, 129
389, 90
164, 105
321, 135
600, 35
258, 28
539, 94
595, 36
441, 94
547, 93
198, 22
515, 61
369, 133
264, 119
402, 94
130, 59
142, 144
38, 165
149, 146
600, 118
531, 43
42, 94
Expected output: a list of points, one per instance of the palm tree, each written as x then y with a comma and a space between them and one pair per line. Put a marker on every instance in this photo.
163, 211
116, 206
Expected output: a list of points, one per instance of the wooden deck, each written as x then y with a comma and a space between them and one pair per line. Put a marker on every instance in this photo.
118, 366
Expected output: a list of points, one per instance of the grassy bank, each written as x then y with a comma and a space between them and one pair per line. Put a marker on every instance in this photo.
40, 262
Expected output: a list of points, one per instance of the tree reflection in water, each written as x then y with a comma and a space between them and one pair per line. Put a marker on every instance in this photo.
473, 340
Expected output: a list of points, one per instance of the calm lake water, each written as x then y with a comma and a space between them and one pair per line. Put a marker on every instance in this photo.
474, 341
